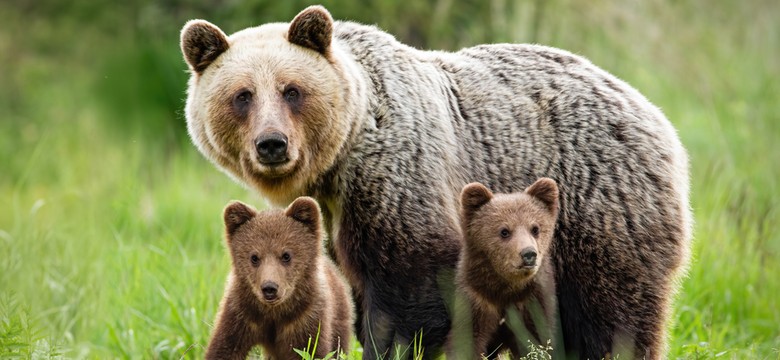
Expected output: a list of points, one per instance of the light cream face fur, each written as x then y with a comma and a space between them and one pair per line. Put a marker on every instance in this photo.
261, 62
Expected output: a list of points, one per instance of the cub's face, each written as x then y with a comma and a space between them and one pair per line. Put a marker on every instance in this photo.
267, 103
513, 231
273, 251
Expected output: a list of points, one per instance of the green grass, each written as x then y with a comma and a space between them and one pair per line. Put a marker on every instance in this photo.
110, 232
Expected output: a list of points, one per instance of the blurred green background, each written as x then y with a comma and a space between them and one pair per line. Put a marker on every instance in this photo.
110, 220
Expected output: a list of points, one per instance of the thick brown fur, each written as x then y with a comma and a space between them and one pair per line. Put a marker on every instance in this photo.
280, 248
497, 230
385, 136
203, 44
312, 28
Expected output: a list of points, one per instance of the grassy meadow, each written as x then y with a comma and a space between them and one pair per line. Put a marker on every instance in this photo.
110, 220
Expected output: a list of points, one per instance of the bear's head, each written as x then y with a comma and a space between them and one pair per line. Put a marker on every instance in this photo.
511, 233
270, 105
274, 252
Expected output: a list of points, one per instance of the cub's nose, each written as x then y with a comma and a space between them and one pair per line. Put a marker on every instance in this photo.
529, 256
269, 289
271, 147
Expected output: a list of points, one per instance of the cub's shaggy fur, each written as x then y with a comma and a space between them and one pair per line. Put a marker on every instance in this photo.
505, 261
283, 289
385, 136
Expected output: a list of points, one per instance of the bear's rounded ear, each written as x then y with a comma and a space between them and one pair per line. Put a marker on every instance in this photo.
474, 196
312, 28
546, 191
201, 43
305, 209
236, 214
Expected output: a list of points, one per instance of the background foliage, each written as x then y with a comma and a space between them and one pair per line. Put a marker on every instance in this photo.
110, 231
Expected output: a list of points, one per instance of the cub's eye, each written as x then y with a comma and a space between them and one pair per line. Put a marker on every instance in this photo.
243, 98
286, 257
505, 233
255, 260
535, 230
291, 94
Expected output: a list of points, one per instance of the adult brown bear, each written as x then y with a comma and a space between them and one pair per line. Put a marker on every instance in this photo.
384, 136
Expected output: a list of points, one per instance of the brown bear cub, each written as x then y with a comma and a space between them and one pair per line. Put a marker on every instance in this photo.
282, 289
505, 263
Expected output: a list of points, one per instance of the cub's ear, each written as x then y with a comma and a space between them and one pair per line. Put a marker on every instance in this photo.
236, 214
474, 196
312, 28
305, 209
201, 43
546, 190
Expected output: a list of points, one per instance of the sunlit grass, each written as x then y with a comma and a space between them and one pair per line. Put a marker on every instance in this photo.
123, 254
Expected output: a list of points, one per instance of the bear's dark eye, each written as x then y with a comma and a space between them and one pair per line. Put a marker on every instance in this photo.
242, 101
535, 230
505, 233
292, 94
243, 97
255, 260
286, 257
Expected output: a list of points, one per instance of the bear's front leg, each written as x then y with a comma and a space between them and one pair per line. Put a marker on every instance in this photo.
485, 323
377, 334
231, 338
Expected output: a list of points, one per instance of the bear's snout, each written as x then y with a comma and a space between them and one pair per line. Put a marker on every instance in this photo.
269, 289
529, 256
271, 147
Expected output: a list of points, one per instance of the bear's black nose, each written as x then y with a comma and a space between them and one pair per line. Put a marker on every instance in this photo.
529, 256
271, 147
269, 290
